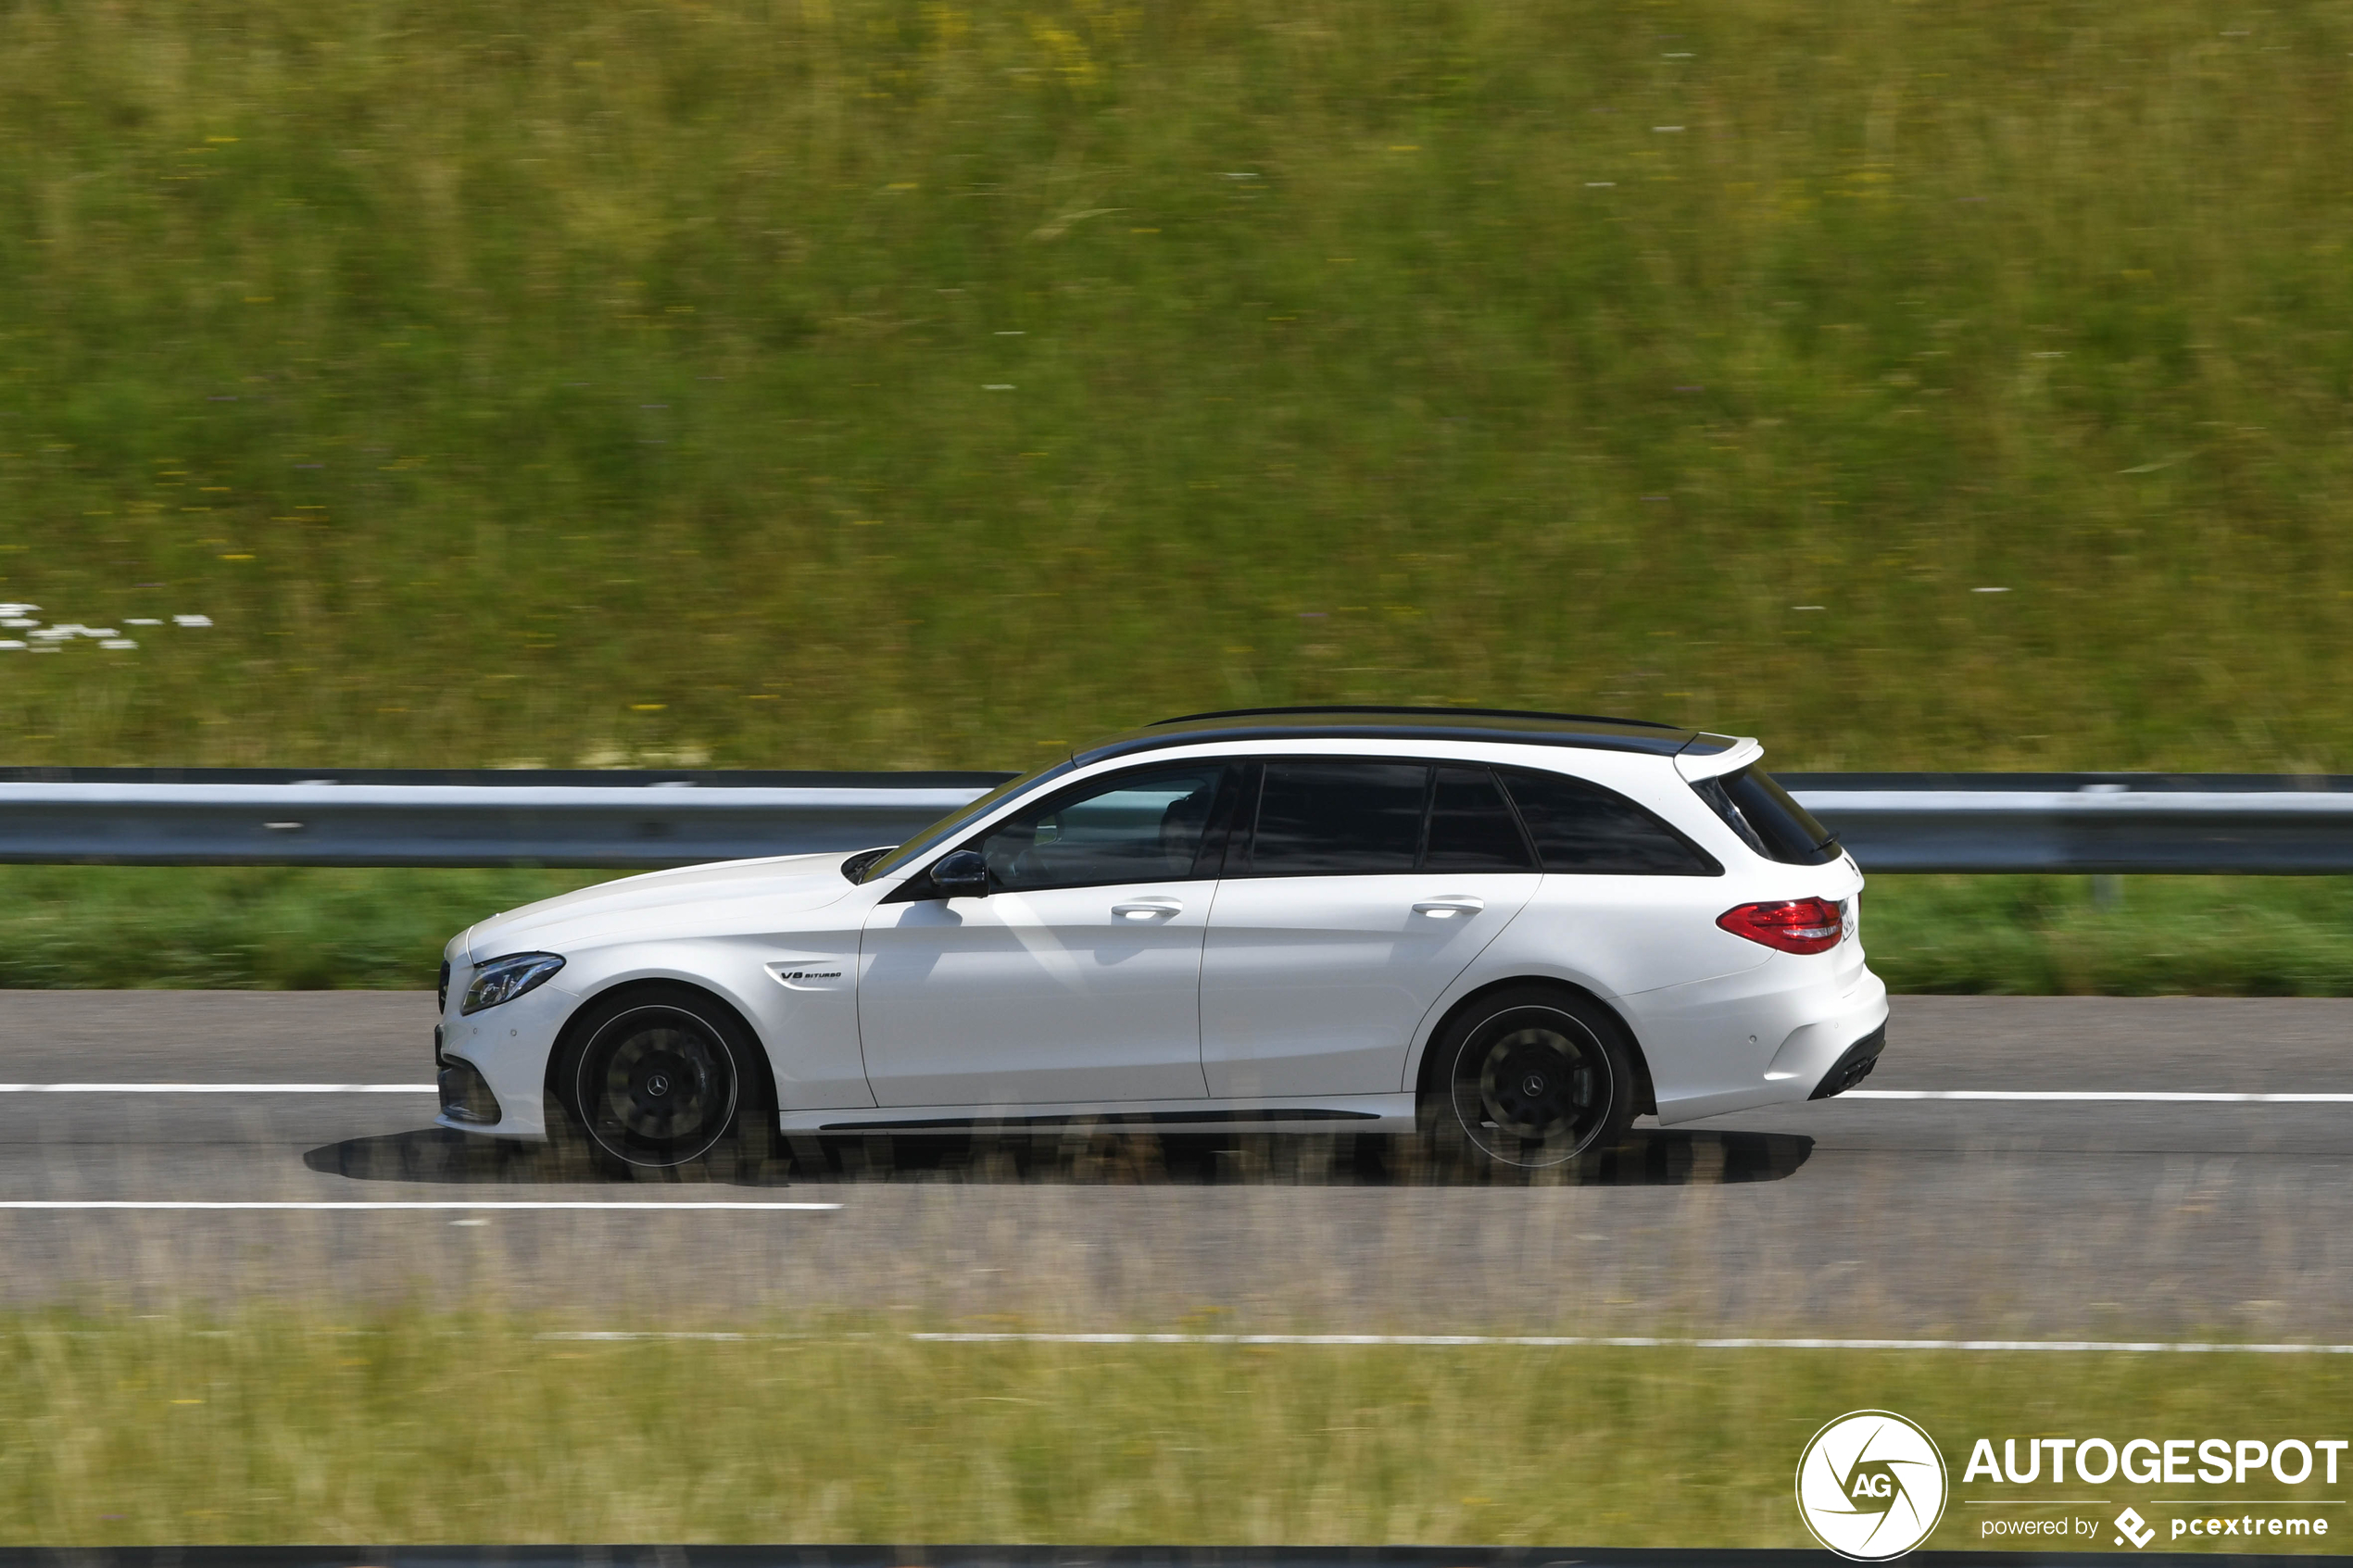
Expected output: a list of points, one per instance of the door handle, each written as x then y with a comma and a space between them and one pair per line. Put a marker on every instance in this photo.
1448, 906
1147, 908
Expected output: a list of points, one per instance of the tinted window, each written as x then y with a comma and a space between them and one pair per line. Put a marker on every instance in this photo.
945, 830
1582, 827
1471, 826
1139, 827
1764, 816
1321, 818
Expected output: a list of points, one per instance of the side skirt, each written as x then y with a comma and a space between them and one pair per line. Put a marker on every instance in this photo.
1352, 1113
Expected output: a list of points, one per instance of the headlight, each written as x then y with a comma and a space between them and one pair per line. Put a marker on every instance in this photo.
502, 980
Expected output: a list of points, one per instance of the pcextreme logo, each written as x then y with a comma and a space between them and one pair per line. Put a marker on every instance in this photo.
1870, 1486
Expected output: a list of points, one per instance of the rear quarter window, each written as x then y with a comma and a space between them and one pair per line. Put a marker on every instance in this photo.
1581, 827
1767, 819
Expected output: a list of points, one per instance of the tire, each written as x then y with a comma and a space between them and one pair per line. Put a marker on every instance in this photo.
656, 1078
1533, 1077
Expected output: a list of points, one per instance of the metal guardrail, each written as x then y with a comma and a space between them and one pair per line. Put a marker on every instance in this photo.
2091, 822
2100, 823
622, 821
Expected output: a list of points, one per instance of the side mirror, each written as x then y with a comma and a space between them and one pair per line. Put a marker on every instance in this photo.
961, 874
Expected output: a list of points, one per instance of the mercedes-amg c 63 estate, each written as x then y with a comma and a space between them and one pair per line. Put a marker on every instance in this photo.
1517, 931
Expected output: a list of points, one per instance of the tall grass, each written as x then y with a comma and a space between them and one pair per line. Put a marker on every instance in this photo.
860, 382
469, 1428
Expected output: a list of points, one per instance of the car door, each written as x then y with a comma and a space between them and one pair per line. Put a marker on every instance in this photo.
1358, 891
1076, 978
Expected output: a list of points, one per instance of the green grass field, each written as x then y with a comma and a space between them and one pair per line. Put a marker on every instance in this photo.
290, 928
869, 383
287, 1427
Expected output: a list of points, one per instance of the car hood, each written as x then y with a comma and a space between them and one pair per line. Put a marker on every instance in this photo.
744, 894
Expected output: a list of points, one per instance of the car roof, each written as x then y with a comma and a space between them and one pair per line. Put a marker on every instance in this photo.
1509, 726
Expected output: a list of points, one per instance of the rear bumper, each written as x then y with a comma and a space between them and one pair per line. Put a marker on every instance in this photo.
1853, 1066
1816, 1055
1795, 1037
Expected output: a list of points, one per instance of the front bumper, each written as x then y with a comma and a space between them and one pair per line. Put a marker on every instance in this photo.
503, 1050
465, 1095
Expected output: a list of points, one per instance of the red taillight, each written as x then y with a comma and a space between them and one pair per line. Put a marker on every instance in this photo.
1795, 925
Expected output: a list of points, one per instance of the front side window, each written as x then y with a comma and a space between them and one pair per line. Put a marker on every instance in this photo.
1321, 819
874, 868
1148, 826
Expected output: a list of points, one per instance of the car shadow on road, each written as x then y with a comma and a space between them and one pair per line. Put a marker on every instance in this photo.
1648, 1156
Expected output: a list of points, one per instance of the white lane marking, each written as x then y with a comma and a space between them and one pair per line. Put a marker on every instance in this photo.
666, 1334
1565, 1341
216, 1090
2161, 1097
352, 1204
384, 1204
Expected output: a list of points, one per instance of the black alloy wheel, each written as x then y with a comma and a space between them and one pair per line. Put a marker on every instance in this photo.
655, 1081
1535, 1078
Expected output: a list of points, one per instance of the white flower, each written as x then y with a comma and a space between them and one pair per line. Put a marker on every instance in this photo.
11, 643
143, 621
118, 643
53, 633
18, 610
100, 633
19, 622
192, 620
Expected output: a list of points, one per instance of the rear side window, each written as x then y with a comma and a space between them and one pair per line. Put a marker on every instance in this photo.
1318, 819
1581, 827
1767, 820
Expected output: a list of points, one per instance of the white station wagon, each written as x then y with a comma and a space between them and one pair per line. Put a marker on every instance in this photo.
1517, 931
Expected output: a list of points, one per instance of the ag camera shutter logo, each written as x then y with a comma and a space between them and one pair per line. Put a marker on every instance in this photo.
1871, 1485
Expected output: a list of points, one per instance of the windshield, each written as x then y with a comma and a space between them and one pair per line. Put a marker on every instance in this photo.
950, 826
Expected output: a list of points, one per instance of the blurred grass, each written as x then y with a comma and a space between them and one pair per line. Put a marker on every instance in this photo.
872, 384
291, 928
284, 1428
2161, 936
278, 928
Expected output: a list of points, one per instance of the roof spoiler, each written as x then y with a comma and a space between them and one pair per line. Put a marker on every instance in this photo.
1711, 757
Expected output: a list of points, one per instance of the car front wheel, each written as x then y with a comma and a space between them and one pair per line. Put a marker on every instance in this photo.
654, 1078
1534, 1077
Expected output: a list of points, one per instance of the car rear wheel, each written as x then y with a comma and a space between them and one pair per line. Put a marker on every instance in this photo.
655, 1079
1533, 1077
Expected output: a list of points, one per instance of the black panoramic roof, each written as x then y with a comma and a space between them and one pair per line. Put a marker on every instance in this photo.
1512, 726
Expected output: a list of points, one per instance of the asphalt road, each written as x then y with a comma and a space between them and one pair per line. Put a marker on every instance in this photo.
1880, 1217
